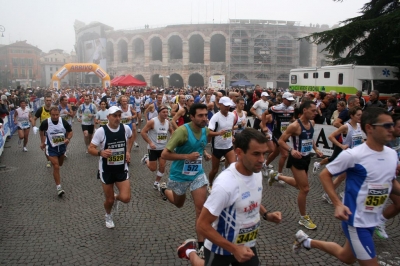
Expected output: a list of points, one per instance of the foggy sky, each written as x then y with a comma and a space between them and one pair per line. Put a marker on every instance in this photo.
49, 24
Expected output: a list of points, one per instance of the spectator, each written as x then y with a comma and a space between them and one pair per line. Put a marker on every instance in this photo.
374, 100
342, 97
332, 97
391, 103
361, 98
340, 107
4, 111
320, 118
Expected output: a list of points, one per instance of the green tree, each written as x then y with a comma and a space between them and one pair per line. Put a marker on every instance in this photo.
373, 38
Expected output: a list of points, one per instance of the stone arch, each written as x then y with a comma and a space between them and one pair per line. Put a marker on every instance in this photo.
196, 49
122, 51
175, 47
196, 33
196, 80
262, 76
110, 51
176, 80
283, 76
156, 44
138, 48
217, 48
157, 81
238, 76
140, 77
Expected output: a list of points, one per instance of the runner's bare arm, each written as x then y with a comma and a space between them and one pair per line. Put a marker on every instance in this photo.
149, 125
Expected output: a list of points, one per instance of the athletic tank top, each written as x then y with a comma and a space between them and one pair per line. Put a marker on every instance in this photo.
116, 142
354, 136
45, 114
304, 142
124, 115
158, 135
64, 114
239, 121
55, 134
23, 118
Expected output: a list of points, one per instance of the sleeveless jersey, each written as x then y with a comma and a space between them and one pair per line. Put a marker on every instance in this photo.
23, 118
185, 170
116, 142
126, 114
282, 115
239, 121
354, 136
45, 114
304, 142
158, 135
55, 134
64, 114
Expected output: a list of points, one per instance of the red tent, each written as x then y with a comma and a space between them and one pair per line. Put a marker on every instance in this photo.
115, 80
130, 81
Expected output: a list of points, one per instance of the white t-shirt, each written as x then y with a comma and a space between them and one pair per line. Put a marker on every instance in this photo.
99, 139
261, 106
368, 182
224, 123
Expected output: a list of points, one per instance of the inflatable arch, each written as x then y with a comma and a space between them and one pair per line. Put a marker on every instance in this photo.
80, 67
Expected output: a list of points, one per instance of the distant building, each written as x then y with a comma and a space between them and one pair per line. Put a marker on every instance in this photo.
20, 65
260, 51
52, 61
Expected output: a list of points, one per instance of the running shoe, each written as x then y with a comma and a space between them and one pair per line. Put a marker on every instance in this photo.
138, 130
307, 222
381, 232
162, 189
327, 198
109, 221
209, 188
25, 149
316, 167
144, 159
48, 165
19, 143
298, 242
135, 144
60, 191
222, 159
141, 120
281, 182
200, 253
271, 177
156, 185
65, 155
137, 123
264, 171
188, 244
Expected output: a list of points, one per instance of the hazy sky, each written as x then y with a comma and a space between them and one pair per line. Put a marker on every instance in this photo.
48, 24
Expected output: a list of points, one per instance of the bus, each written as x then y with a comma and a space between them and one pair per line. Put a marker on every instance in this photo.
347, 79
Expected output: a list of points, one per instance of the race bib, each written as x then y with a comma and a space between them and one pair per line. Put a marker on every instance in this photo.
58, 139
125, 121
376, 198
306, 146
192, 167
117, 157
86, 118
284, 126
161, 137
356, 140
227, 135
247, 234
24, 124
103, 122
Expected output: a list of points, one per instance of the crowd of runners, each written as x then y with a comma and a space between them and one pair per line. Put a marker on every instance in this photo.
181, 125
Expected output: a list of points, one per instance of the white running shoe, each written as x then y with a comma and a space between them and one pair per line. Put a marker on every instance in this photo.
316, 167
144, 159
135, 144
48, 164
298, 242
25, 149
60, 191
327, 198
156, 185
109, 221
381, 232
138, 130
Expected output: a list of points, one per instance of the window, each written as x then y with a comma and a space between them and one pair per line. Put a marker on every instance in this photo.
51, 68
340, 79
15, 72
23, 73
30, 73
327, 75
51, 75
305, 75
293, 79
315, 75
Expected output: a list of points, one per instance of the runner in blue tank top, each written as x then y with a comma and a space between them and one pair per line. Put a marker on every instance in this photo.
301, 131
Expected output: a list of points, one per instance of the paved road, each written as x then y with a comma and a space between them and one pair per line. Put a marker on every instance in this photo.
38, 228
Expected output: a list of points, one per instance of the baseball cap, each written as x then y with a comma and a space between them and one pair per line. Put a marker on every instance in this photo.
288, 96
264, 94
226, 101
113, 110
7, 94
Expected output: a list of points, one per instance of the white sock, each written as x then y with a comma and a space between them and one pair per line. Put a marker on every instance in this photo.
276, 177
58, 186
307, 243
188, 251
156, 183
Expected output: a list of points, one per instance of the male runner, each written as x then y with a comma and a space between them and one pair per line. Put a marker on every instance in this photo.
230, 218
55, 134
186, 149
22, 116
87, 113
115, 142
301, 131
368, 188
155, 133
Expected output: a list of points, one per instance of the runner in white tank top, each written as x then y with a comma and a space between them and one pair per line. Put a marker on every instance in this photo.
22, 116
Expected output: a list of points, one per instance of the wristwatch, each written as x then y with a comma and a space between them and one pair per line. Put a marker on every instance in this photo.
98, 153
265, 216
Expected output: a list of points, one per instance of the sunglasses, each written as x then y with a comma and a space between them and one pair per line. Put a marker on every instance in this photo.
385, 125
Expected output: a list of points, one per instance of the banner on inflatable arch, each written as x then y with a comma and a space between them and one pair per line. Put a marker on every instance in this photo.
321, 134
80, 67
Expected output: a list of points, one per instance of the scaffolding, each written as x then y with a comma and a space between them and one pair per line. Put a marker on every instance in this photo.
263, 51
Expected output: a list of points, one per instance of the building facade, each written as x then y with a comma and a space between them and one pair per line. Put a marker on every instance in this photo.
259, 51
20, 65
